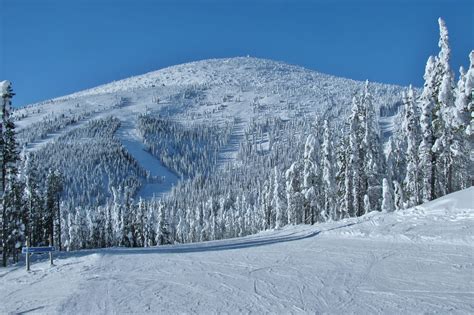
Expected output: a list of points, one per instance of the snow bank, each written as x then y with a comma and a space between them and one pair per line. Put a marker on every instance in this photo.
447, 220
459, 200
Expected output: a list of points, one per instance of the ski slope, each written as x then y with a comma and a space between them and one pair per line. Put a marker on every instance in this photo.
419, 260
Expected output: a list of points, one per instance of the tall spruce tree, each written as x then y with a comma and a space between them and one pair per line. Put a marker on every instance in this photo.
353, 181
436, 101
327, 162
279, 203
411, 132
372, 158
12, 225
294, 195
311, 180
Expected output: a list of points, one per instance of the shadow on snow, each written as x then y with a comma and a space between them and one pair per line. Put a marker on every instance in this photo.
210, 246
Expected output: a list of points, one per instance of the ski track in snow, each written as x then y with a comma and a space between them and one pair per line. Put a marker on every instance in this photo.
164, 179
418, 260
229, 152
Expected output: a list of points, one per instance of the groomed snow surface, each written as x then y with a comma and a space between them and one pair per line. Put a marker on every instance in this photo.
418, 260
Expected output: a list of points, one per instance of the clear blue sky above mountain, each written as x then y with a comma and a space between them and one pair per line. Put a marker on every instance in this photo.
51, 48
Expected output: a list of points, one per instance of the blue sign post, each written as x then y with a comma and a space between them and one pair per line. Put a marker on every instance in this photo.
43, 249
32, 250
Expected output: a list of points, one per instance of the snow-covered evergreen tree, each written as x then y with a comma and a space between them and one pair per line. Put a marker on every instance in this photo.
438, 142
367, 206
163, 233
427, 160
446, 144
461, 126
355, 179
33, 201
268, 189
12, 231
312, 207
294, 195
327, 164
181, 229
279, 203
411, 132
387, 197
343, 180
372, 158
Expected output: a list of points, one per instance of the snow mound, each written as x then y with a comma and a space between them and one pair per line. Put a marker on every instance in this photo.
447, 220
463, 199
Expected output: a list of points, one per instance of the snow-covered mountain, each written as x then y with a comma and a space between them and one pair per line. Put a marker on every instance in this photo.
418, 260
226, 96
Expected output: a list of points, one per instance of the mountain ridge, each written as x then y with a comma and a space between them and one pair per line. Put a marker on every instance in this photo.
155, 74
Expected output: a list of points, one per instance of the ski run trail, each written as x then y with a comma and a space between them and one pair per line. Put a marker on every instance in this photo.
419, 260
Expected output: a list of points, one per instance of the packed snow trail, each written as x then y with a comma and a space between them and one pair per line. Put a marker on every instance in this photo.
419, 260
229, 152
162, 178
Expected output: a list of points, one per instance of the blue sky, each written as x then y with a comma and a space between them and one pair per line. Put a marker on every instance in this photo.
51, 48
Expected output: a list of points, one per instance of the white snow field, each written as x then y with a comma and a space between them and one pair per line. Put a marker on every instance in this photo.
419, 260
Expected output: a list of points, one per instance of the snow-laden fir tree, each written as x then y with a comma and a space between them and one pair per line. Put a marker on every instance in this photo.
373, 157
140, 223
312, 209
411, 133
447, 145
279, 203
52, 213
268, 189
181, 229
295, 198
118, 215
343, 180
427, 158
215, 231
12, 231
163, 233
437, 104
367, 206
469, 93
462, 124
355, 183
392, 157
33, 201
387, 197
327, 165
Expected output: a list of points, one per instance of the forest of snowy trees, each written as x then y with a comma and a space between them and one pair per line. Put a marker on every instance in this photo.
28, 211
298, 171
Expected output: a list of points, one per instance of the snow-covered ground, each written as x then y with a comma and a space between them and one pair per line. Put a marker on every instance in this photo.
419, 260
